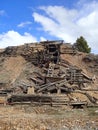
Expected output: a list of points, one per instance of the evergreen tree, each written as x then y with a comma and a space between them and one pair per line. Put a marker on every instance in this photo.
82, 45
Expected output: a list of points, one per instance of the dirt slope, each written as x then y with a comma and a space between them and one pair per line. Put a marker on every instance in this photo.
16, 66
10, 69
84, 61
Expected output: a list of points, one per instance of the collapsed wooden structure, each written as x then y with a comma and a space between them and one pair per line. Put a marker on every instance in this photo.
39, 100
56, 78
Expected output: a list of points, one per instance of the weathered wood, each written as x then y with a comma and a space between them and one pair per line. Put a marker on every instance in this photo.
29, 97
89, 89
44, 100
46, 86
78, 104
86, 76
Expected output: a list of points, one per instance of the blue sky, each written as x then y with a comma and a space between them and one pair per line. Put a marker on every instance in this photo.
23, 21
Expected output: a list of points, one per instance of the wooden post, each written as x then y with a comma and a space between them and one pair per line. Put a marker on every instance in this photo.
31, 90
58, 91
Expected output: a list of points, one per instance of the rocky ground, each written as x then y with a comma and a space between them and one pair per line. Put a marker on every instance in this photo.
25, 117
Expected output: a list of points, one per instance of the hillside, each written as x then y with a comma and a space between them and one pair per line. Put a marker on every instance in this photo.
19, 71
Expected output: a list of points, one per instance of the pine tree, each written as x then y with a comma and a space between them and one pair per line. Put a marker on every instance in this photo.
82, 45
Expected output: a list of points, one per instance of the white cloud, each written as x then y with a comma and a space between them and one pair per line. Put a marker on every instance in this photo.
69, 24
23, 24
2, 12
12, 38
46, 22
43, 39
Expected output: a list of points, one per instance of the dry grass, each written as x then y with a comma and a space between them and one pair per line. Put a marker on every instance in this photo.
46, 118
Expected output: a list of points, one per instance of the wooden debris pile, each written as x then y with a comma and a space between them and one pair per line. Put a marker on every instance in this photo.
68, 49
54, 77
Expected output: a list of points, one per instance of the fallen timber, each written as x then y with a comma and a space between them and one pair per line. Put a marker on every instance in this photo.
91, 98
89, 89
55, 78
5, 92
52, 100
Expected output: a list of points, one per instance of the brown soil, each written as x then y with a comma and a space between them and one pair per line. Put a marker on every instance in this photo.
47, 118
